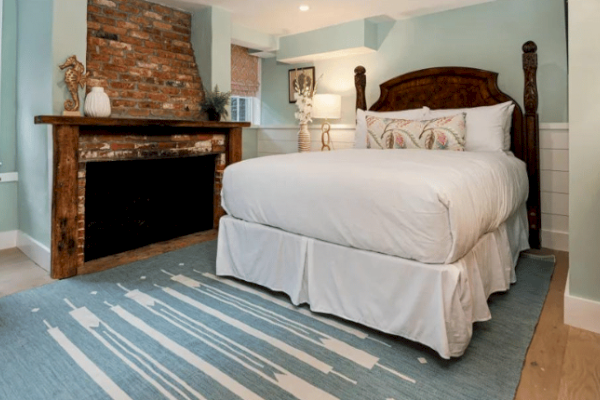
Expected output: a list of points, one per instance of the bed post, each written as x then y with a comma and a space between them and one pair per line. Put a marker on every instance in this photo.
531, 143
360, 81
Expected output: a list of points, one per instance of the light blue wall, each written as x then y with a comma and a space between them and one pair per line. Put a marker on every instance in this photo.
584, 163
202, 43
360, 33
487, 36
8, 133
34, 96
211, 40
69, 36
49, 31
249, 143
8, 207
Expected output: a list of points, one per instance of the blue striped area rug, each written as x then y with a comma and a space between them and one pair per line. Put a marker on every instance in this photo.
168, 328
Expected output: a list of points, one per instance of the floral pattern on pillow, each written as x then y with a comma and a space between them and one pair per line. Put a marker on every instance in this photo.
445, 133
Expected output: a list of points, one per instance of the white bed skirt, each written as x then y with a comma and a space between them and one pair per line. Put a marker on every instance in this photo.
429, 303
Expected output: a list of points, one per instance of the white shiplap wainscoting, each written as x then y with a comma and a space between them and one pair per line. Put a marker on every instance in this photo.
554, 160
554, 163
284, 139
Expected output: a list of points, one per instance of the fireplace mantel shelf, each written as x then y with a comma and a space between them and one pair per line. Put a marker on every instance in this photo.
87, 121
79, 140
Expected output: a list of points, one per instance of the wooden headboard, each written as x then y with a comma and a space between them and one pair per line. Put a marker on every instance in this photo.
460, 87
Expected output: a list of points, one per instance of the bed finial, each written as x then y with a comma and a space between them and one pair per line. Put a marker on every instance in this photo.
360, 81
532, 134
530, 47
530, 69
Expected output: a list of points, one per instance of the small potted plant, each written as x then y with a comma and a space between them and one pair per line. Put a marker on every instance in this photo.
215, 103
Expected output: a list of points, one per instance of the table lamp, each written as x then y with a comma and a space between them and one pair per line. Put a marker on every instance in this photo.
326, 106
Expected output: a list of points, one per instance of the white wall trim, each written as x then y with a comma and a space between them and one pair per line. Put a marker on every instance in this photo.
555, 240
9, 177
334, 127
549, 126
8, 240
36, 251
581, 313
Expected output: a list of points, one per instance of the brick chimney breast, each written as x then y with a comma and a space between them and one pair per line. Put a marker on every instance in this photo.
141, 53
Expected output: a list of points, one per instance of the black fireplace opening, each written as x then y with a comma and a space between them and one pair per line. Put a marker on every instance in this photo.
131, 204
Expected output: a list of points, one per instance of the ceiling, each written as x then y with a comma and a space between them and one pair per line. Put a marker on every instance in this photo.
283, 17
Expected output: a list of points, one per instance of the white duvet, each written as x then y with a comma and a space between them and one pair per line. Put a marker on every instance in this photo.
429, 206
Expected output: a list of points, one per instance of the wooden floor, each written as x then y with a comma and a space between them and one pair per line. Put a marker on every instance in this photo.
562, 362
18, 273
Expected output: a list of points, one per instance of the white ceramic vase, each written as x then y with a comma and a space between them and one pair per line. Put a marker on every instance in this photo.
97, 103
303, 138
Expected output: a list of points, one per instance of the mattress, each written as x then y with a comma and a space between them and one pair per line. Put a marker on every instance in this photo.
429, 206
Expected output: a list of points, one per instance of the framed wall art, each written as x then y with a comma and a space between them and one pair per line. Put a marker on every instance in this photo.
308, 79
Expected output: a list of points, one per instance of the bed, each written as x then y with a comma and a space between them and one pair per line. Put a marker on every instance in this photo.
414, 254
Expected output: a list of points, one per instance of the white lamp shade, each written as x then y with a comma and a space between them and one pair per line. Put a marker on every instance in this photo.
327, 106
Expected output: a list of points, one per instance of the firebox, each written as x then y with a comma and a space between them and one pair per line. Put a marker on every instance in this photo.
131, 204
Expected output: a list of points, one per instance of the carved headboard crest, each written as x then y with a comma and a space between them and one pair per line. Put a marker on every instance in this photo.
461, 87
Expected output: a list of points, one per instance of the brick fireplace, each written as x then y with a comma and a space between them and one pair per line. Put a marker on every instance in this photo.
141, 53
143, 143
78, 141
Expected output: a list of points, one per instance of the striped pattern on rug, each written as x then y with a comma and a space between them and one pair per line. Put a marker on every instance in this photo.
168, 328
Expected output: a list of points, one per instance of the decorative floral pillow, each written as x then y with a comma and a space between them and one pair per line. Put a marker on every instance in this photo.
445, 133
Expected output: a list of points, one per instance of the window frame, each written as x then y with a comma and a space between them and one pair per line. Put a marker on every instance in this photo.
249, 114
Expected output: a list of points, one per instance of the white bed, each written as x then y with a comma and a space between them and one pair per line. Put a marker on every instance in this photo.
429, 206
364, 252
409, 242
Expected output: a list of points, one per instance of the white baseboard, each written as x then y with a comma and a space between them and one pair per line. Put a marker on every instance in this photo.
555, 240
559, 126
581, 313
36, 251
8, 240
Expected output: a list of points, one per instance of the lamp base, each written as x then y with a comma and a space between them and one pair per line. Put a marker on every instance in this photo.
325, 137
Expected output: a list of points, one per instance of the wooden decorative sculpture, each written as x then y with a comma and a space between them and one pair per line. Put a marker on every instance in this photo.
360, 81
74, 77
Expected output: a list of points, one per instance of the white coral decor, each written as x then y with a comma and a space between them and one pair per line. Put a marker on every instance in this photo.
304, 105
304, 92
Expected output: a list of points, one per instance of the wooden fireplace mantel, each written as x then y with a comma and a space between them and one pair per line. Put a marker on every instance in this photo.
69, 135
87, 121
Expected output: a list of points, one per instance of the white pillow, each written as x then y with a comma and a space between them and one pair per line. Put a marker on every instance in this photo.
488, 127
507, 126
360, 138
